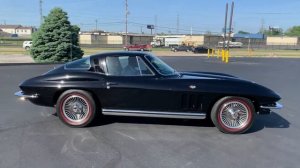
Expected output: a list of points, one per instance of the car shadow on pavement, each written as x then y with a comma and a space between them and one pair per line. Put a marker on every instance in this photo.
106, 120
268, 121
261, 121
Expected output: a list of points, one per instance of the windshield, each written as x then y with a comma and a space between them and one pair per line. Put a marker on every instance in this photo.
161, 66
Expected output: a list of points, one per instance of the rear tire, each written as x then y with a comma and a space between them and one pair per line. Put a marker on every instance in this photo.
233, 115
76, 108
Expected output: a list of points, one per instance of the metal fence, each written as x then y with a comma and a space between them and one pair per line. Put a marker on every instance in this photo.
209, 41
254, 44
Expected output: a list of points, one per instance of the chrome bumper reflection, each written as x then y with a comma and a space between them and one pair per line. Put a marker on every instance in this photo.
275, 106
24, 96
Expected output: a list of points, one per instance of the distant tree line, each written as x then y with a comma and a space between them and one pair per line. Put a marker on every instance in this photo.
293, 31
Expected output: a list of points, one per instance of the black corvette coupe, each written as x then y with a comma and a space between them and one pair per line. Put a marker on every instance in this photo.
140, 84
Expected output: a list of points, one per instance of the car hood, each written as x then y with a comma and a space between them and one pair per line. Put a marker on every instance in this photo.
227, 84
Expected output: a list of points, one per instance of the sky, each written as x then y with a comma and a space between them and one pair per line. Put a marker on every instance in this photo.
200, 16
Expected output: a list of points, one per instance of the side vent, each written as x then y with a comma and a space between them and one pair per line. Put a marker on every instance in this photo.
191, 102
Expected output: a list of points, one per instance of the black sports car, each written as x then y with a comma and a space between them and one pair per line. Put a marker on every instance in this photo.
140, 84
200, 49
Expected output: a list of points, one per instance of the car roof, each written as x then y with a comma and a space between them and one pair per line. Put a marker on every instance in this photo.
116, 53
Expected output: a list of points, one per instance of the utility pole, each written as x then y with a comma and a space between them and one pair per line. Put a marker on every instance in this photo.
155, 24
96, 24
177, 28
126, 21
262, 28
225, 26
230, 24
41, 11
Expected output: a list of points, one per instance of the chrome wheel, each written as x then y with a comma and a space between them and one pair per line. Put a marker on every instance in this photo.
75, 108
234, 114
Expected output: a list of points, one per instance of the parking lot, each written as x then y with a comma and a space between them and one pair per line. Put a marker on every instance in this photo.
33, 137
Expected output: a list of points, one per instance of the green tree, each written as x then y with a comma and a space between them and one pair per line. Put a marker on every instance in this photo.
273, 31
293, 31
56, 40
243, 32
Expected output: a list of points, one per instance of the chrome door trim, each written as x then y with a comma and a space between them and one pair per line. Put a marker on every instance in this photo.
160, 114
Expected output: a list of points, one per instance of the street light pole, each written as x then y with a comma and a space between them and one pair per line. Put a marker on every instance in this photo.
225, 26
126, 21
230, 24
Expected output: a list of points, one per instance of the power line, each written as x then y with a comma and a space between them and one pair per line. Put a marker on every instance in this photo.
169, 28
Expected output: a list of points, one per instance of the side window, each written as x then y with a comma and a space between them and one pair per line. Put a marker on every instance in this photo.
113, 66
145, 70
127, 66
81, 64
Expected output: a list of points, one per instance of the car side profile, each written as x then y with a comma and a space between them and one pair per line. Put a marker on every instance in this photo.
200, 49
182, 48
138, 47
140, 84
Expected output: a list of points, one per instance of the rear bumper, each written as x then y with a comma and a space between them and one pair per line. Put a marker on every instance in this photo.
272, 106
26, 96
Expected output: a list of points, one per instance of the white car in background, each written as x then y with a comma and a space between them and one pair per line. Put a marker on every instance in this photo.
27, 45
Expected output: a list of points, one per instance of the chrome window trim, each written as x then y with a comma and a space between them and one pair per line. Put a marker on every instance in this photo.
152, 73
157, 69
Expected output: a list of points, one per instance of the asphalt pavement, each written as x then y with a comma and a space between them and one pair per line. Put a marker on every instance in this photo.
33, 137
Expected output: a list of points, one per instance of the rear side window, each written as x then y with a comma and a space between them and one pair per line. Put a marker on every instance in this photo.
81, 64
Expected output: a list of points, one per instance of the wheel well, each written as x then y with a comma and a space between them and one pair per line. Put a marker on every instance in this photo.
96, 99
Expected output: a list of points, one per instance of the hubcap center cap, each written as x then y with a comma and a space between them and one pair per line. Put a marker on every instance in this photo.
234, 114
77, 108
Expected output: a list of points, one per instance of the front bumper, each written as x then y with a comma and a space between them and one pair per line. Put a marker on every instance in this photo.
272, 106
266, 109
26, 96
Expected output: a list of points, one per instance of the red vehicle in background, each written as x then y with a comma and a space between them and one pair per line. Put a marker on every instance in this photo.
138, 47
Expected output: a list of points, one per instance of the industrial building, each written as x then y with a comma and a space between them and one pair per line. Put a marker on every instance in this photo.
113, 39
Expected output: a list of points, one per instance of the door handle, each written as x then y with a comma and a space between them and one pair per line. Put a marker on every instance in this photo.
109, 84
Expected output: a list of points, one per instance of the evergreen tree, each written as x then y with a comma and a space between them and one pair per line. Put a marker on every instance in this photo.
56, 40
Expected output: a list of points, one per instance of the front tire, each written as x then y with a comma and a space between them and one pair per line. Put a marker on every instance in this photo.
233, 115
76, 108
